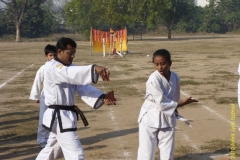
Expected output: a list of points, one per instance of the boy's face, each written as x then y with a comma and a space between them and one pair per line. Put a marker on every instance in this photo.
162, 65
66, 56
50, 56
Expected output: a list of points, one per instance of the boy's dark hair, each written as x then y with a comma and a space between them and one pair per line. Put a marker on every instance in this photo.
163, 53
63, 42
50, 48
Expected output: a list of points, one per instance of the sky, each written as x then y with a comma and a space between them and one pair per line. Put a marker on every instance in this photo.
56, 2
2, 4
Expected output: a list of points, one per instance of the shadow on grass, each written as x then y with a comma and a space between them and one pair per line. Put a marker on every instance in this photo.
13, 138
7, 127
33, 149
30, 149
18, 121
107, 135
17, 113
204, 156
95, 147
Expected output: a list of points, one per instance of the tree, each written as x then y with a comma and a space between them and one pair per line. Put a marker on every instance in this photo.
78, 15
39, 23
229, 10
212, 20
3, 24
191, 23
101, 14
17, 9
169, 16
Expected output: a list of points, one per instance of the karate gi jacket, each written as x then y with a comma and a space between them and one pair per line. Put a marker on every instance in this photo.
35, 93
161, 100
60, 85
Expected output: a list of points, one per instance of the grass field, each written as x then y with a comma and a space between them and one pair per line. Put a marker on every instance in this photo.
207, 66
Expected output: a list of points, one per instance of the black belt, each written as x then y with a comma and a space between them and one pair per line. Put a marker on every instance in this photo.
70, 108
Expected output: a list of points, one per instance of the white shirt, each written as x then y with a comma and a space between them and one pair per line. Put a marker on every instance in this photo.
161, 100
35, 93
60, 85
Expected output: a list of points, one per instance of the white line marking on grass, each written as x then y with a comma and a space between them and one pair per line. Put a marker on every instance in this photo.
185, 94
136, 66
126, 154
15, 76
111, 114
228, 71
187, 139
212, 111
201, 64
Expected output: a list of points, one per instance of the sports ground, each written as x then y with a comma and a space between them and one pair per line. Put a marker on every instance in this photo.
207, 66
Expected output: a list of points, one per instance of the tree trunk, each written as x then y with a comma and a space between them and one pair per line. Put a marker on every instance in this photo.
18, 35
169, 33
234, 26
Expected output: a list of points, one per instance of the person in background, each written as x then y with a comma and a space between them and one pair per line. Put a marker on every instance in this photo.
38, 96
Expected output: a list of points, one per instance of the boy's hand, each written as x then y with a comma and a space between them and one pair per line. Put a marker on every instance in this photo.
104, 72
110, 99
36, 101
186, 101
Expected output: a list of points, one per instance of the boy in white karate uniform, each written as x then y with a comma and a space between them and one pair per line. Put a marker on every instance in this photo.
157, 117
61, 81
38, 96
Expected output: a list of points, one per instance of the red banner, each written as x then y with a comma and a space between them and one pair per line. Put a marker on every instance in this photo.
111, 40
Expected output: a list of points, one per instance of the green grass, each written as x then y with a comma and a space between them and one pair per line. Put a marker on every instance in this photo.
226, 100
219, 146
189, 82
184, 150
217, 56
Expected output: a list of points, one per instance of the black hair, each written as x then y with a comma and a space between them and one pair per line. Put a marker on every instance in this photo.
50, 48
63, 42
162, 52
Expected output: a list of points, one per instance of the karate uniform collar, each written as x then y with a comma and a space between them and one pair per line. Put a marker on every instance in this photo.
57, 59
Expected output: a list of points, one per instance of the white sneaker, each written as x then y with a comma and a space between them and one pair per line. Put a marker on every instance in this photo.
42, 144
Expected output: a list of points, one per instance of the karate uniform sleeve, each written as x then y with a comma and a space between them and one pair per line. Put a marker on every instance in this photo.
176, 96
167, 106
77, 75
36, 87
91, 95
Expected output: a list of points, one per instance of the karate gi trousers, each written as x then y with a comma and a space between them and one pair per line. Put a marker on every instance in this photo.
68, 142
149, 138
42, 134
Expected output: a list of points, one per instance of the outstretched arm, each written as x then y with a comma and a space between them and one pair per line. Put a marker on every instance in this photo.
186, 101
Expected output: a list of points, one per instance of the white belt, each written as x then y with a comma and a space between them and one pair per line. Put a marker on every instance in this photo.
181, 118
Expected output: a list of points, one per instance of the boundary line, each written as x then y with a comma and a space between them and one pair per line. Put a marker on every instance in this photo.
3, 84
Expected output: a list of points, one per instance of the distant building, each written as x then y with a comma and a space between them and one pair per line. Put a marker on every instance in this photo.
201, 3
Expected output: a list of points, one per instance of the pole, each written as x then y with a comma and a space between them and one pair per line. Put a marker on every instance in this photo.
121, 45
91, 43
104, 47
